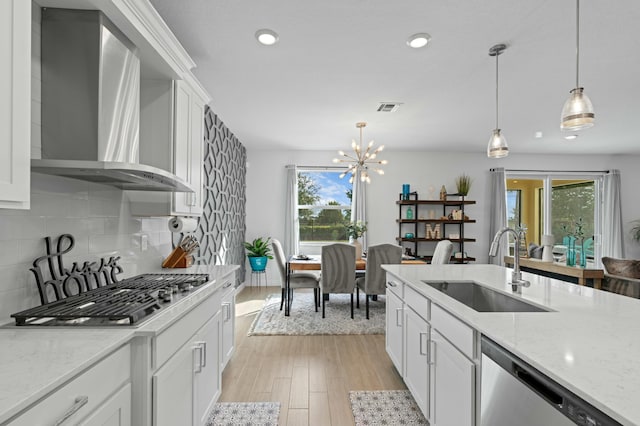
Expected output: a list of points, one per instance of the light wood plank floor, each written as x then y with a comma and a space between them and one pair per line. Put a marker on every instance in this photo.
310, 376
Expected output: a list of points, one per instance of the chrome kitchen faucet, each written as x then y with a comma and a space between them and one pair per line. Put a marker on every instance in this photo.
516, 276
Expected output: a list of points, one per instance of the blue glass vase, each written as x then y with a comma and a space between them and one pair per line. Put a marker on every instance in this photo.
571, 252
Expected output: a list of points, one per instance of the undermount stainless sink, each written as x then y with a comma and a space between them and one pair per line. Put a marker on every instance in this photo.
481, 298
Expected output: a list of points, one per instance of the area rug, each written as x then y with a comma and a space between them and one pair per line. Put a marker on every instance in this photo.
244, 413
304, 320
373, 408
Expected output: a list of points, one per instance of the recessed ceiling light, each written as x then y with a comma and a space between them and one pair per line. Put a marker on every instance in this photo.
538, 135
571, 137
419, 40
267, 37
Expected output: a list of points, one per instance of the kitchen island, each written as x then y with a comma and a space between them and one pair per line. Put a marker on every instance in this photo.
39, 364
587, 342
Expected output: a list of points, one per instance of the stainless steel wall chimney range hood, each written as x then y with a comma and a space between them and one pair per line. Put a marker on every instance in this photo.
91, 104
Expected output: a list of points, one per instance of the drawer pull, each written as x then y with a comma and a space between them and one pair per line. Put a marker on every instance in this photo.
431, 359
204, 354
422, 352
227, 285
199, 346
392, 284
80, 402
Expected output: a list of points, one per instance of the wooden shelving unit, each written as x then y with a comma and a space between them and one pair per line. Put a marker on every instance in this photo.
420, 243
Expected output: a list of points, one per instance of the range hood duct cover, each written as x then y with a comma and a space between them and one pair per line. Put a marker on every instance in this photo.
91, 104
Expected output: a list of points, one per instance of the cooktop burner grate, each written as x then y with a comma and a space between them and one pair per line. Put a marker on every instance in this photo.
121, 303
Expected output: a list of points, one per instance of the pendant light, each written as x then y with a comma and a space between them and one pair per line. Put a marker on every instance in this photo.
497, 147
362, 159
577, 113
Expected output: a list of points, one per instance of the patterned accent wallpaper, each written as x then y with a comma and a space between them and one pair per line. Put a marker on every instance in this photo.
221, 228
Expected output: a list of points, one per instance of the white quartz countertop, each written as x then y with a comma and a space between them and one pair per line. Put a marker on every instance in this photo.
589, 343
36, 360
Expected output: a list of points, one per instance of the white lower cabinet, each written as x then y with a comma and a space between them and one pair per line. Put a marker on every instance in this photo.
228, 321
452, 384
439, 357
206, 377
116, 411
99, 396
416, 375
394, 335
187, 385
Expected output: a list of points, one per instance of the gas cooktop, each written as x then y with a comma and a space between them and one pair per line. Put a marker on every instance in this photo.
125, 302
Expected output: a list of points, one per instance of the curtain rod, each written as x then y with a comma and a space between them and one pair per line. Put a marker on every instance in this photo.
553, 171
317, 167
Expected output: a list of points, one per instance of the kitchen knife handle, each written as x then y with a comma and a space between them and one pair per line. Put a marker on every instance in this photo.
80, 402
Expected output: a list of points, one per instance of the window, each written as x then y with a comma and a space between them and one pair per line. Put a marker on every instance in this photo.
324, 206
553, 204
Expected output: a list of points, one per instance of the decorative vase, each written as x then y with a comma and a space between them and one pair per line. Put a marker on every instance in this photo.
583, 256
358, 245
258, 264
571, 253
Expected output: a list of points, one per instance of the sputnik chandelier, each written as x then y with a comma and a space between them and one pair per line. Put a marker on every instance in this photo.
362, 160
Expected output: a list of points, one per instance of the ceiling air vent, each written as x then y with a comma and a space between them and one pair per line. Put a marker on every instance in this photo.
388, 106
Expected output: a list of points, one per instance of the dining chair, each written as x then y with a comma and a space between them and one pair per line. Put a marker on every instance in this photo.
374, 280
442, 253
338, 265
297, 279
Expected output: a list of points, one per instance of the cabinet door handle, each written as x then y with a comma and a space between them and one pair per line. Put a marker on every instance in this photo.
227, 311
422, 352
431, 358
204, 354
199, 346
398, 317
80, 402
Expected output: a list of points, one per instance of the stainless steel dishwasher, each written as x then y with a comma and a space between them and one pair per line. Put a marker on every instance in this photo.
514, 393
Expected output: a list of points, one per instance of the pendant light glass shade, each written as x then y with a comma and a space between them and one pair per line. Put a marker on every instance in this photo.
577, 113
497, 147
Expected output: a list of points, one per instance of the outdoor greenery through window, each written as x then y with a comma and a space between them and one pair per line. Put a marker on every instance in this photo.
324, 206
570, 201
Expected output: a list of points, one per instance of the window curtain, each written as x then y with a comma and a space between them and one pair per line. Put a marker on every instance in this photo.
291, 232
612, 216
498, 212
359, 203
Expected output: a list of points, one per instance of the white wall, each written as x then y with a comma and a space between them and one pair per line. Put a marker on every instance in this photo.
266, 188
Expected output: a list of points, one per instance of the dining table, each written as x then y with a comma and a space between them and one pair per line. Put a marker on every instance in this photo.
314, 263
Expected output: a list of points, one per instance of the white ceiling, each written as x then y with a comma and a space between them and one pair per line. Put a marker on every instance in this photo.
337, 59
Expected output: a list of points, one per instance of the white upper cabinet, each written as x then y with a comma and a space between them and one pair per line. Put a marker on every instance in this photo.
15, 103
172, 138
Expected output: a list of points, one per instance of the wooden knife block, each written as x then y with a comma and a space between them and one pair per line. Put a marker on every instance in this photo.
178, 259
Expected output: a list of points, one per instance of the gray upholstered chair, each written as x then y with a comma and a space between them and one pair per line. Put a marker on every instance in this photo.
373, 282
338, 271
296, 280
442, 253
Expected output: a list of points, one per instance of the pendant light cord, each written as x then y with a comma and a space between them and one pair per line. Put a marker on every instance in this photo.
577, 42
497, 54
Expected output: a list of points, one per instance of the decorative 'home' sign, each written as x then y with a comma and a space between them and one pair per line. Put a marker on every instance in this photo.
65, 282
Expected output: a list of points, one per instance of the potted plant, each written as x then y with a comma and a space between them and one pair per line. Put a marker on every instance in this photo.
355, 230
258, 251
463, 184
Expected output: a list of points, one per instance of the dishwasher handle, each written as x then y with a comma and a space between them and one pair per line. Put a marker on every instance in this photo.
538, 386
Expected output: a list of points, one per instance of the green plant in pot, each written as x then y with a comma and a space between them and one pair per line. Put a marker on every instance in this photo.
258, 251
463, 184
